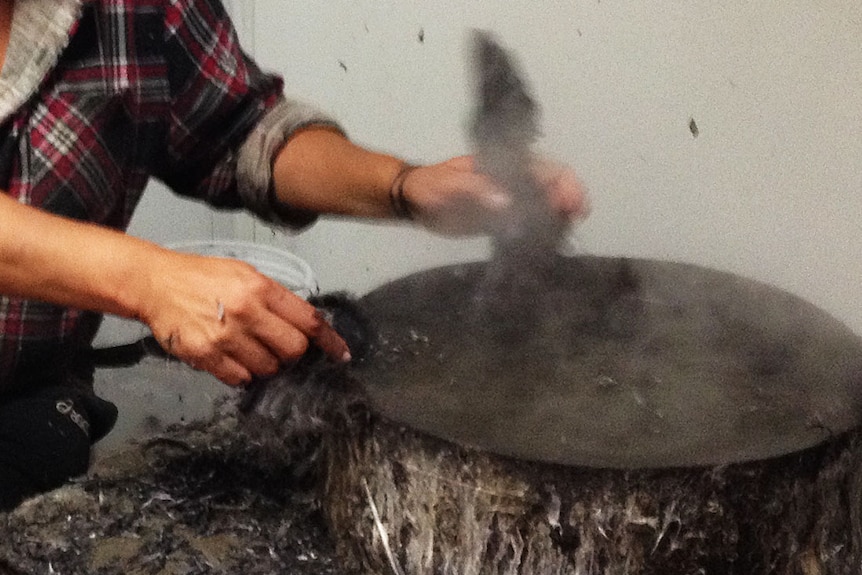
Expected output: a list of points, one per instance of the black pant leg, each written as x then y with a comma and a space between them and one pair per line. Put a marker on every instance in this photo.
44, 441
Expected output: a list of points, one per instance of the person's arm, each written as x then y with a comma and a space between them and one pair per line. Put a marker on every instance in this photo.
67, 262
319, 170
216, 314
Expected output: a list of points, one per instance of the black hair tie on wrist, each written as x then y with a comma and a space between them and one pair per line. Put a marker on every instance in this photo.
401, 206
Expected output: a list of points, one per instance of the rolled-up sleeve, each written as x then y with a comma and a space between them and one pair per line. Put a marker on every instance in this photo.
256, 156
228, 119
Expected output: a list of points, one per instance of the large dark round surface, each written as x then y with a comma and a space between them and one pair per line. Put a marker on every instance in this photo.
607, 362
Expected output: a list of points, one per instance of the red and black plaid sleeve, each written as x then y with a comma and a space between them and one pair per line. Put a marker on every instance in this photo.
143, 88
217, 96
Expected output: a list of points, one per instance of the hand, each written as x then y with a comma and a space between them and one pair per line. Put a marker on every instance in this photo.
452, 199
222, 316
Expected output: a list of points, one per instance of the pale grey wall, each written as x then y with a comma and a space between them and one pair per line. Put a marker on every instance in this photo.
771, 188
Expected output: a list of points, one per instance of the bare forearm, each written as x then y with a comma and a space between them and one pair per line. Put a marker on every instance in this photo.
321, 171
217, 314
69, 263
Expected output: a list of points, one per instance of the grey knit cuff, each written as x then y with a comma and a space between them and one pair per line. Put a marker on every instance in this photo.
257, 155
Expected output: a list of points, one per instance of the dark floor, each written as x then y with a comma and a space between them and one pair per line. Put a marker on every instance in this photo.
198, 499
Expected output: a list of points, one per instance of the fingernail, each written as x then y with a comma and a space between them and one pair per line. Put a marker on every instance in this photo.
346, 357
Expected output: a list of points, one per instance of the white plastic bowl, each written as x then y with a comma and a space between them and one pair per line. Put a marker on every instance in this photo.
289, 270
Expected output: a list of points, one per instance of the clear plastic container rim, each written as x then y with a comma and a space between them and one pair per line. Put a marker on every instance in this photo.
281, 265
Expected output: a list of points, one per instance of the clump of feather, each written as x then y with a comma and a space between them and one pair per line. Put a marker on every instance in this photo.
288, 413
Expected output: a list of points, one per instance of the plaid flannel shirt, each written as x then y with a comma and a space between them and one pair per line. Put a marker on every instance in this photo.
96, 97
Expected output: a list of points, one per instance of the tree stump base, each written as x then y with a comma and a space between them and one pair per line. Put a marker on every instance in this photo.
448, 509
615, 416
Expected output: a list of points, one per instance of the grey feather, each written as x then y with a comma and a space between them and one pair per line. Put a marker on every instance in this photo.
288, 413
